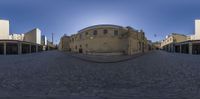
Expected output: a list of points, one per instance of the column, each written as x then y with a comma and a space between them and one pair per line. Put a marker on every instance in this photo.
19, 48
37, 48
30, 48
180, 48
190, 47
173, 48
4, 46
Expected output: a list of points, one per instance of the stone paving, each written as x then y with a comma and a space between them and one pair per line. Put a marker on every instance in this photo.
57, 75
105, 58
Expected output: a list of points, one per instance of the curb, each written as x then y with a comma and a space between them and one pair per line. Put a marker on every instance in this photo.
117, 61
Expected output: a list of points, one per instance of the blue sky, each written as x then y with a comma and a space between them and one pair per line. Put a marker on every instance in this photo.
159, 17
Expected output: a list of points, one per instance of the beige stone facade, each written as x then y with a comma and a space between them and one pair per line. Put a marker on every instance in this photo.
64, 43
157, 45
173, 38
104, 39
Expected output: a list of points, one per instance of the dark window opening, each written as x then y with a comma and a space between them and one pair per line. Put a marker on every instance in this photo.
105, 31
95, 32
86, 33
1, 48
75, 47
116, 33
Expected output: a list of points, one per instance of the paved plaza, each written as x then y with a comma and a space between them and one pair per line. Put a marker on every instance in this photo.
57, 75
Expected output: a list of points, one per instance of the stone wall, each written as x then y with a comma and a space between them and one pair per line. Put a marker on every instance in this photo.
107, 39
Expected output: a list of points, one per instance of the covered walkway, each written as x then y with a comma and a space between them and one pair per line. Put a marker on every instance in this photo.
14, 47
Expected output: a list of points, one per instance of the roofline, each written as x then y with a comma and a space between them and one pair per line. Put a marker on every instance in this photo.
99, 25
4, 20
7, 40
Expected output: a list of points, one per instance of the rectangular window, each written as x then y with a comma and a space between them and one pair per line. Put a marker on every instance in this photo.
86, 33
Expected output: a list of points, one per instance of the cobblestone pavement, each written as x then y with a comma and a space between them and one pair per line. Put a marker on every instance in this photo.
56, 75
104, 58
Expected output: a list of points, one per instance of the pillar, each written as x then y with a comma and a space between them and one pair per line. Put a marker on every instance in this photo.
180, 48
173, 48
190, 47
19, 48
30, 48
37, 48
4, 47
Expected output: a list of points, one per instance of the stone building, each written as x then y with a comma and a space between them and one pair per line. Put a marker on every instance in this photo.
64, 43
157, 45
183, 44
170, 40
107, 39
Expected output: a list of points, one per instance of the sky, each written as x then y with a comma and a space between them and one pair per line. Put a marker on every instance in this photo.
157, 18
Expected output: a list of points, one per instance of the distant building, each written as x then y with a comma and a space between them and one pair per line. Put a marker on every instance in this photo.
170, 40
184, 44
157, 45
29, 42
150, 45
44, 40
64, 44
4, 29
19, 37
33, 36
50, 46
196, 35
106, 39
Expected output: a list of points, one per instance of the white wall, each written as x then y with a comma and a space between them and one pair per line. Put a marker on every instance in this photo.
16, 37
38, 36
33, 36
4, 29
197, 29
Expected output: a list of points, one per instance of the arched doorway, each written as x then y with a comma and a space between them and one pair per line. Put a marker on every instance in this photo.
80, 50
